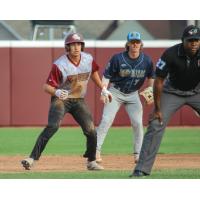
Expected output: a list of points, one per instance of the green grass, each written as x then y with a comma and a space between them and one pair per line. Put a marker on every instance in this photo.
157, 174
17, 141
71, 141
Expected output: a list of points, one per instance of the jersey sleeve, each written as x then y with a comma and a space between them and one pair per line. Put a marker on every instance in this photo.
95, 67
111, 68
162, 66
55, 77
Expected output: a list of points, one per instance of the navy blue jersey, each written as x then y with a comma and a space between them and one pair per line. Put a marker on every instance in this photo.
127, 74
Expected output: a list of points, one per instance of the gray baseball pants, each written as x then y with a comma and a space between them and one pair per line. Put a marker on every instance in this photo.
134, 109
80, 112
170, 103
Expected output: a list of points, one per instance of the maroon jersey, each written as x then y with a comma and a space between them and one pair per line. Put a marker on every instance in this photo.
69, 76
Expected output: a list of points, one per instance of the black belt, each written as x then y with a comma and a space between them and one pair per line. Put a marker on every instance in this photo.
125, 92
75, 99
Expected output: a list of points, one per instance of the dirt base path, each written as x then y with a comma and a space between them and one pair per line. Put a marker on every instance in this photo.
110, 162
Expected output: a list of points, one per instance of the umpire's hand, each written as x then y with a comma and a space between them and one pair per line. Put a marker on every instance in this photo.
157, 115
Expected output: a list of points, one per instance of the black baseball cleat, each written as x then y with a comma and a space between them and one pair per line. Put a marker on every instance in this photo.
138, 173
85, 155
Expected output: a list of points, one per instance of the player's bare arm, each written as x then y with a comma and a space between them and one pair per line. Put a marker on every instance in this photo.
96, 79
49, 89
61, 94
157, 90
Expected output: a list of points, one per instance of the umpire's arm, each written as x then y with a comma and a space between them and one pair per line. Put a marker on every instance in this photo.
157, 90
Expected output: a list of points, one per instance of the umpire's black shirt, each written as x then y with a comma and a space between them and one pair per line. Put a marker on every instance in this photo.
182, 72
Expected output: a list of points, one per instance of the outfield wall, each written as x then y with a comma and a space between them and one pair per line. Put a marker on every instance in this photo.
25, 66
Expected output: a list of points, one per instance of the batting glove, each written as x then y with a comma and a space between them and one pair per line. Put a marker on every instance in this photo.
106, 96
62, 94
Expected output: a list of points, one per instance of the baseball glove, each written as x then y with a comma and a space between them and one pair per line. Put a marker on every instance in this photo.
147, 94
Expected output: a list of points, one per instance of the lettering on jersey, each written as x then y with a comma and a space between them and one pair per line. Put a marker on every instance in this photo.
78, 77
136, 81
76, 84
160, 64
138, 73
135, 73
83, 76
125, 72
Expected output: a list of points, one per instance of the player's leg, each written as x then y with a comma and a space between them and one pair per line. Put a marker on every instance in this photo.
169, 105
194, 102
56, 114
83, 116
109, 113
135, 112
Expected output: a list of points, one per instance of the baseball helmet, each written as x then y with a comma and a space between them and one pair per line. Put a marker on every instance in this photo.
191, 32
74, 37
133, 36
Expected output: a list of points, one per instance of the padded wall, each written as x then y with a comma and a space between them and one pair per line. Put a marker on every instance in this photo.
24, 70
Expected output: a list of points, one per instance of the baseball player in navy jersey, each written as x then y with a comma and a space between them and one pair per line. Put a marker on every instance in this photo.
67, 85
177, 84
126, 73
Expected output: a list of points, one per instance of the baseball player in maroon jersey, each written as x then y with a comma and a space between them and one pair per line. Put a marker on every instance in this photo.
67, 85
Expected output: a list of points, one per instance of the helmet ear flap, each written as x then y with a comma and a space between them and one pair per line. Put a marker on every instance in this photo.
82, 46
67, 48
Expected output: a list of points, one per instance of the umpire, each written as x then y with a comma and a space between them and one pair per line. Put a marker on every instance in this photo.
177, 84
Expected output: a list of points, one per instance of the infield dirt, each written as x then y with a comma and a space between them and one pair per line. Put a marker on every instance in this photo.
110, 162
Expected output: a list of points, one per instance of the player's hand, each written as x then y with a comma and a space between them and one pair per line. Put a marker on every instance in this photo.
104, 99
62, 94
106, 96
158, 115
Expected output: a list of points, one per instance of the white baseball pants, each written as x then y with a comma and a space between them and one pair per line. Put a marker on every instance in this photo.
134, 110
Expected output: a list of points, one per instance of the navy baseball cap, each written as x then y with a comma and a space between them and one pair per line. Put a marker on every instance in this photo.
133, 36
191, 32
